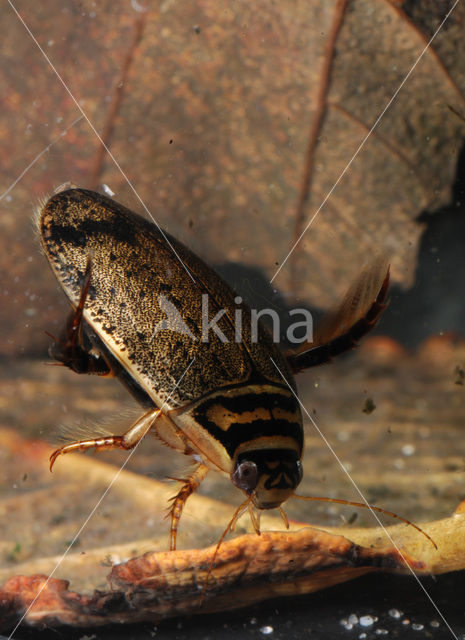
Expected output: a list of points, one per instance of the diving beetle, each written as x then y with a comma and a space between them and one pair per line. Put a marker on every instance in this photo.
229, 403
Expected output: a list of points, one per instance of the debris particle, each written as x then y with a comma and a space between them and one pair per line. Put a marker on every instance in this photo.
460, 373
13, 556
395, 613
351, 519
418, 627
138, 7
434, 624
107, 561
369, 406
366, 621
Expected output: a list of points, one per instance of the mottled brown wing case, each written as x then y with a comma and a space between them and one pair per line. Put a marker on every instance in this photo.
132, 265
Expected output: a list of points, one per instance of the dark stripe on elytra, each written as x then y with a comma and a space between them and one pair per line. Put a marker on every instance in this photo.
252, 401
78, 235
100, 216
240, 433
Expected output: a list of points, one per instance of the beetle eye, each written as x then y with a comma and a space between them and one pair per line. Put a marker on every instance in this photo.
245, 476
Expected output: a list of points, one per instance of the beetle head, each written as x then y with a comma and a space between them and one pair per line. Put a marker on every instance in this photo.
271, 475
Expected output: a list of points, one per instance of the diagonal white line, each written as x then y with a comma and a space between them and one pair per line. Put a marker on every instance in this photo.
98, 503
375, 515
118, 166
39, 155
361, 145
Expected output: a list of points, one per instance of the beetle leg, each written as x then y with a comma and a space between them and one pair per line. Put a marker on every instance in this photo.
73, 348
127, 441
179, 500
358, 314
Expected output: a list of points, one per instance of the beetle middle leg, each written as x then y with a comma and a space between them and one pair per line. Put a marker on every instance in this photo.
126, 441
179, 500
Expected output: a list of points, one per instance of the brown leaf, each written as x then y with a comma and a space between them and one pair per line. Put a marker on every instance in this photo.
233, 124
167, 584
248, 569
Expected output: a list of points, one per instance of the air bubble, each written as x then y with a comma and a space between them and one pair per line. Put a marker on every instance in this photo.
408, 450
108, 191
266, 630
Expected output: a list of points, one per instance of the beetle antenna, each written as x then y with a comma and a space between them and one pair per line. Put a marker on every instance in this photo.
241, 509
368, 506
255, 517
284, 517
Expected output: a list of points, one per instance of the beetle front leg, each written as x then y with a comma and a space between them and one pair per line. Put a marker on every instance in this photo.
72, 348
127, 441
179, 500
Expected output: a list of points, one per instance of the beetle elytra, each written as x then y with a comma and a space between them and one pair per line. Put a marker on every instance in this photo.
230, 404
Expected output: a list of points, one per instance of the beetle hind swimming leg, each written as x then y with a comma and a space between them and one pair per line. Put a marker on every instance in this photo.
126, 441
358, 314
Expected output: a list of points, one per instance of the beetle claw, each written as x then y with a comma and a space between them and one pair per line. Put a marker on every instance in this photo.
53, 457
